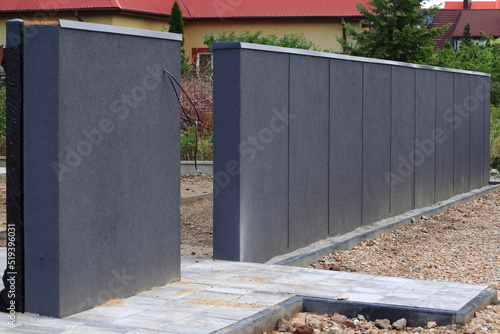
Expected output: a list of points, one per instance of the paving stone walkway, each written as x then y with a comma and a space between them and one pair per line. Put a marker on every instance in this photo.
214, 295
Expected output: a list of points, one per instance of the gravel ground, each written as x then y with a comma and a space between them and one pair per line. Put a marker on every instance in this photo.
461, 245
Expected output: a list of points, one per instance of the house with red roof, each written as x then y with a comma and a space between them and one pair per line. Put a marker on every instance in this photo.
320, 21
483, 16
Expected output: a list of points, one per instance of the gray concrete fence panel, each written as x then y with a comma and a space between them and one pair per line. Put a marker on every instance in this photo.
461, 134
101, 164
425, 125
362, 140
346, 145
308, 169
444, 136
402, 139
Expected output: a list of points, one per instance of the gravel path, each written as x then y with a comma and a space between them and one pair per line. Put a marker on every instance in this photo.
461, 245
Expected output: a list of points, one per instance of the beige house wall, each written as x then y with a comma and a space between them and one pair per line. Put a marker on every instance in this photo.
140, 22
322, 33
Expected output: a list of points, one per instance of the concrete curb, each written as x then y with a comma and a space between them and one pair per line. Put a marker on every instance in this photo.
196, 198
205, 167
267, 319
485, 298
416, 316
306, 255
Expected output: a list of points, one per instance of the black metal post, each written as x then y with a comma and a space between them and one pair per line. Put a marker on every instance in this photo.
12, 297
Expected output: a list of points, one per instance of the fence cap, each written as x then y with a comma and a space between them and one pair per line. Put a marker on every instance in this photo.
279, 49
66, 24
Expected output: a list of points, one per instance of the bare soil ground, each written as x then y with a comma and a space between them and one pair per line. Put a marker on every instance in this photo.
196, 217
196, 229
195, 185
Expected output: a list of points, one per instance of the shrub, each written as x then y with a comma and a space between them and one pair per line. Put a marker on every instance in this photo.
495, 137
297, 41
189, 151
476, 57
199, 90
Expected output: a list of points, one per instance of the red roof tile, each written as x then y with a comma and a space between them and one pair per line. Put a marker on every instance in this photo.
442, 18
154, 7
200, 8
486, 20
273, 8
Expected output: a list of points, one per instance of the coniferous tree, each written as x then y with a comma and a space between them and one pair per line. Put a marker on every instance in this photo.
394, 30
466, 36
175, 22
176, 25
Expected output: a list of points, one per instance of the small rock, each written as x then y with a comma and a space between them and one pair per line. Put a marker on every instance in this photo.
493, 172
304, 329
339, 318
471, 330
361, 317
335, 331
399, 324
284, 326
193, 253
315, 316
425, 217
383, 323
431, 324
373, 331
414, 220
349, 323
314, 323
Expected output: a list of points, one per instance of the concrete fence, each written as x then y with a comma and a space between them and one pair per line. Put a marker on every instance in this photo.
309, 145
94, 202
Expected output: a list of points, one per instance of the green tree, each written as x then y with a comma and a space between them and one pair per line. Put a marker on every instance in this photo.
176, 24
395, 31
466, 36
297, 41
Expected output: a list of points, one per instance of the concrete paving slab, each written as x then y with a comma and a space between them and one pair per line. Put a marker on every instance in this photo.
235, 297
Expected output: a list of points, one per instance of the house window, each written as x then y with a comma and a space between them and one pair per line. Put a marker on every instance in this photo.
202, 59
474, 40
204, 63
